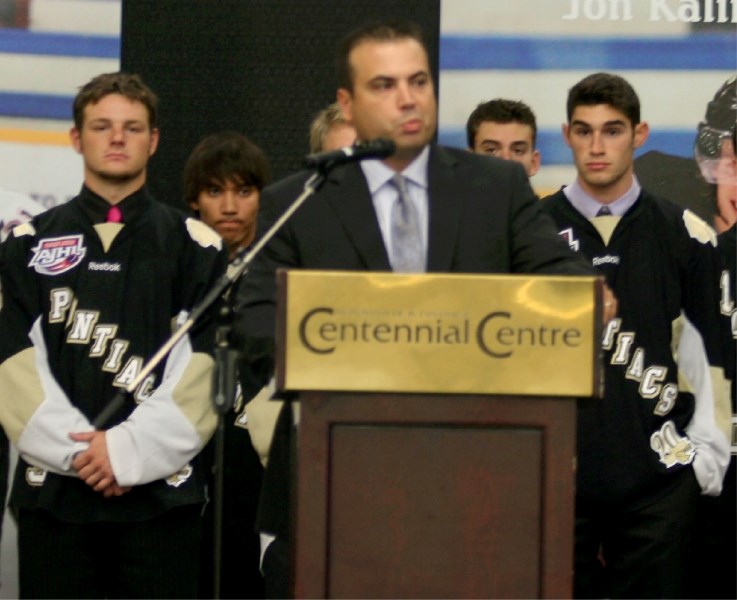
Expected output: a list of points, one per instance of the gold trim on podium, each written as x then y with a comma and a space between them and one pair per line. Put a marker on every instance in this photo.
443, 333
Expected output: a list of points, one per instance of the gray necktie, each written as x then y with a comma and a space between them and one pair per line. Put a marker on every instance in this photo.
604, 211
407, 253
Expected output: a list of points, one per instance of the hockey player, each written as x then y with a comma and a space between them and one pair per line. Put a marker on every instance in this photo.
652, 444
91, 290
714, 151
716, 155
223, 179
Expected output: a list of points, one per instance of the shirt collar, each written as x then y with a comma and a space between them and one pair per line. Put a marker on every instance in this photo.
589, 206
378, 174
96, 207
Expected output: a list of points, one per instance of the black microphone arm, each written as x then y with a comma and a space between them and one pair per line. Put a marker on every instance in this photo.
312, 184
324, 161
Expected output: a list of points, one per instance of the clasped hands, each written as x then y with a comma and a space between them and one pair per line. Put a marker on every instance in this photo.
93, 464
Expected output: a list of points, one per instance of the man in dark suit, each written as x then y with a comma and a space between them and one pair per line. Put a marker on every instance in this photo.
467, 213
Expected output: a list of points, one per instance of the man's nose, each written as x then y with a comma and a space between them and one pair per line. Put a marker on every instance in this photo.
118, 134
229, 203
597, 143
405, 95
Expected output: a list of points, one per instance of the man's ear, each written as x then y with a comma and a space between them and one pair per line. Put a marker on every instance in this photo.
75, 137
642, 131
565, 130
345, 101
535, 166
154, 144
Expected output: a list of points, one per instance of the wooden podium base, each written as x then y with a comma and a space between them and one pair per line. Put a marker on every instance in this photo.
434, 496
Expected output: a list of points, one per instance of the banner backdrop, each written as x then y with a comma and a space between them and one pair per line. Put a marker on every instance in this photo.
675, 52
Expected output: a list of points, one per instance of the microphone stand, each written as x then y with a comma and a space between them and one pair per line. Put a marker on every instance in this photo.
221, 286
223, 396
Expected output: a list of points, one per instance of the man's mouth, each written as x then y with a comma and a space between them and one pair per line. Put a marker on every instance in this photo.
411, 126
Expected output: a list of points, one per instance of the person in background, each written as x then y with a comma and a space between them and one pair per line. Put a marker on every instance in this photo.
223, 179
655, 441
714, 151
91, 290
506, 129
329, 130
690, 181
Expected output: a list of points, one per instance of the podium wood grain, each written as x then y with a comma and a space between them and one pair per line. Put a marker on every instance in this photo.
434, 496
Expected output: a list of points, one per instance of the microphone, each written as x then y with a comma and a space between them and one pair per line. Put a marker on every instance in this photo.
378, 148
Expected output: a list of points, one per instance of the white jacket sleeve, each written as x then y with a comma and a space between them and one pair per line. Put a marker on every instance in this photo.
711, 442
41, 417
171, 426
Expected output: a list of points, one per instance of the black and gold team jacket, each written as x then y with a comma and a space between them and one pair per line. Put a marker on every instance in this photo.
85, 305
665, 407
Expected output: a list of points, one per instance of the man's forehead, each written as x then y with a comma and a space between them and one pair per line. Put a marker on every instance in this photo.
389, 58
115, 100
494, 130
116, 107
598, 114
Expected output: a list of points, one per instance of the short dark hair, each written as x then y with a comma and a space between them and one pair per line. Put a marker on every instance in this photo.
605, 88
126, 84
500, 110
223, 157
377, 31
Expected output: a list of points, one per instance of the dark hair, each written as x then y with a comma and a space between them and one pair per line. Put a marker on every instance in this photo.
224, 157
378, 31
126, 84
605, 88
500, 110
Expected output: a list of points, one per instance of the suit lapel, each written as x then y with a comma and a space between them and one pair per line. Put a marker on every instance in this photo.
444, 210
349, 197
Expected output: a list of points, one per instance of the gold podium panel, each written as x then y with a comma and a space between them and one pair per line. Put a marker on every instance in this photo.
439, 333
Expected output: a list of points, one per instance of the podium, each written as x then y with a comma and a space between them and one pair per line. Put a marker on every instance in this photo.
436, 444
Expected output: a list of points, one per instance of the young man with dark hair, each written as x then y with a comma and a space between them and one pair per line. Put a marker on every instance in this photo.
656, 440
91, 290
457, 212
506, 129
223, 179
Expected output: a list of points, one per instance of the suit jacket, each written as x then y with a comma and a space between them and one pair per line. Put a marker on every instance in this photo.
483, 218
